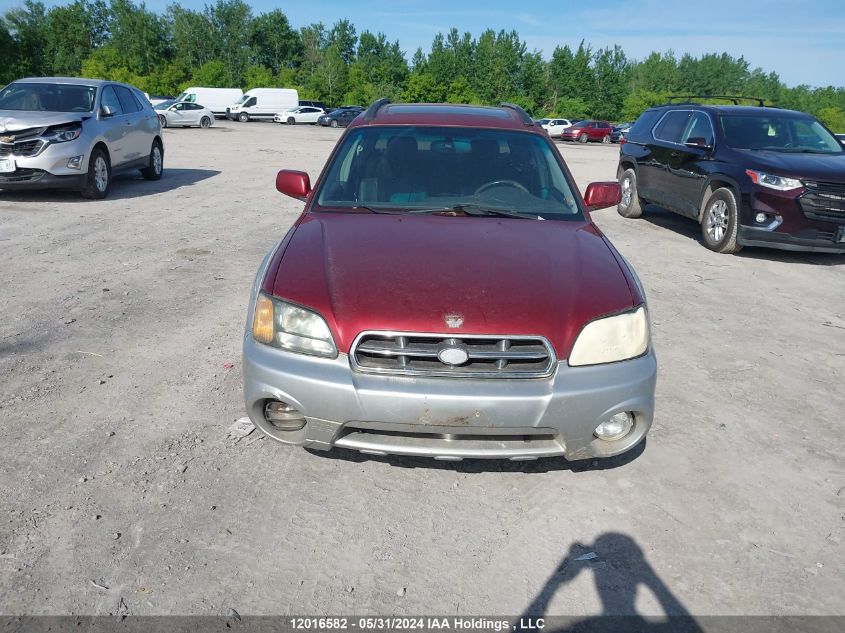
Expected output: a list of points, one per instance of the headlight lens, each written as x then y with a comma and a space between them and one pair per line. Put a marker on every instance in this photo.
66, 133
773, 182
612, 339
292, 328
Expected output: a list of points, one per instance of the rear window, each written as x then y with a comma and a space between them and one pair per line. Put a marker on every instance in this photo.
419, 167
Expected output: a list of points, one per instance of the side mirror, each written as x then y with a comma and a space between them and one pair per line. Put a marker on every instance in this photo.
600, 195
107, 111
172, 108
296, 184
696, 141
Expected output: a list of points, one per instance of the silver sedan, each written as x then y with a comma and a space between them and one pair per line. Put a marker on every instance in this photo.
184, 114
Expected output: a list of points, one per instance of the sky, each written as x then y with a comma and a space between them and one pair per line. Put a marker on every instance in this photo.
801, 40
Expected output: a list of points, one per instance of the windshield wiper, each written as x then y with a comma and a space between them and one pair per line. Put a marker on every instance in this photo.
478, 210
370, 209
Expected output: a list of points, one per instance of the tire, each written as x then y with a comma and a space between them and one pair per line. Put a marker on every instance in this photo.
98, 179
243, 117
631, 205
605, 139
205, 122
583, 138
291, 121
720, 222
156, 166
333, 123
163, 120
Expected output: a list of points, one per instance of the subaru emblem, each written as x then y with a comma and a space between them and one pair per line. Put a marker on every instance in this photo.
454, 320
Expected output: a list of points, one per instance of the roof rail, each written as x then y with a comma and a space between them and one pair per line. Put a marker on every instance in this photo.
371, 112
733, 99
522, 113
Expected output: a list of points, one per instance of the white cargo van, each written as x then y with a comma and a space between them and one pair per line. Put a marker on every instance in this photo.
263, 103
215, 99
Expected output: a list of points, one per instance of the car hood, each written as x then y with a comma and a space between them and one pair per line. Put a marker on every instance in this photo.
825, 167
407, 272
17, 120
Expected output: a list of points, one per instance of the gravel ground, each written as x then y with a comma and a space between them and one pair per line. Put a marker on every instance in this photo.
120, 328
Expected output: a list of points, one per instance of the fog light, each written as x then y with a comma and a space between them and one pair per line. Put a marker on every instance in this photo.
616, 427
283, 416
75, 162
760, 218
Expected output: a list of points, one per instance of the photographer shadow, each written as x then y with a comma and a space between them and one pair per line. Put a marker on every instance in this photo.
619, 570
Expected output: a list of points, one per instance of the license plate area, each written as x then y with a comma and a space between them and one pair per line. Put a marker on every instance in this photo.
7, 165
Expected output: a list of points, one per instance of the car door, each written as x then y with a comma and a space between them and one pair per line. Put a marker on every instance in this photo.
689, 165
194, 113
665, 170
115, 127
138, 141
555, 128
309, 115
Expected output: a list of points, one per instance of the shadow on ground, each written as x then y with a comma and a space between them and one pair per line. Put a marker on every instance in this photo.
123, 186
542, 465
620, 570
692, 230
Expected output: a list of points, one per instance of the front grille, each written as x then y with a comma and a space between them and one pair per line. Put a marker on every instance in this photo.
23, 148
823, 201
417, 354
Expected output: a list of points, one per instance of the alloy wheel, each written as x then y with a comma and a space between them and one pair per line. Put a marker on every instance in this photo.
101, 174
718, 216
627, 191
157, 161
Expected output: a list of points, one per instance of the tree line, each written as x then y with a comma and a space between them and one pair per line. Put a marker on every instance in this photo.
226, 45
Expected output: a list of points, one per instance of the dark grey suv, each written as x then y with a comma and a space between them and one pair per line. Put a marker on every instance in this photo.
71, 133
751, 176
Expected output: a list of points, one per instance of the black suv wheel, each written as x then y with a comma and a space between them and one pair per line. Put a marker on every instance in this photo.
631, 205
720, 222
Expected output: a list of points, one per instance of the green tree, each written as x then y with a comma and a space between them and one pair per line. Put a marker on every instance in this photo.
191, 36
422, 88
212, 74
258, 77
139, 35
343, 36
612, 73
27, 26
329, 78
230, 21
637, 102
276, 45
832, 117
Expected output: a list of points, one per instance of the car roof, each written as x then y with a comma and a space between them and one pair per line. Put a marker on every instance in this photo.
446, 114
734, 109
68, 80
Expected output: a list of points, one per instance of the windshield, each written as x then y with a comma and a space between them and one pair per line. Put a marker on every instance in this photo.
35, 97
165, 104
542, 121
778, 133
398, 169
242, 99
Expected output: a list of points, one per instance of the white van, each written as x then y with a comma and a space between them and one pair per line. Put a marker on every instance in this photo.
263, 103
215, 99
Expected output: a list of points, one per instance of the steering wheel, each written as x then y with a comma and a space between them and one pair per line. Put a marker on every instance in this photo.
501, 183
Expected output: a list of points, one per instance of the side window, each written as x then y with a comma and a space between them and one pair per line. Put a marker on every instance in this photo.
699, 127
252, 101
127, 101
671, 127
109, 98
191, 98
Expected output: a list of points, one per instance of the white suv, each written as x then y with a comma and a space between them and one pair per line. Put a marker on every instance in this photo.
70, 133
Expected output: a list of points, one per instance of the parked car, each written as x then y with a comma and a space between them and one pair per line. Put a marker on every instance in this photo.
584, 131
302, 114
156, 99
749, 175
341, 117
841, 138
72, 133
215, 99
262, 103
489, 318
620, 130
555, 127
184, 114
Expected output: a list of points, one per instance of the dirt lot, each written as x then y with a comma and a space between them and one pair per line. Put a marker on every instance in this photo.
118, 322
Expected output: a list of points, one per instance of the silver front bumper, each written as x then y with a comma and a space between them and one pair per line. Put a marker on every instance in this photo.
450, 418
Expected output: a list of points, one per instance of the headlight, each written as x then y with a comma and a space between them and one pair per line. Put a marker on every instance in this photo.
292, 328
773, 182
612, 339
66, 133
